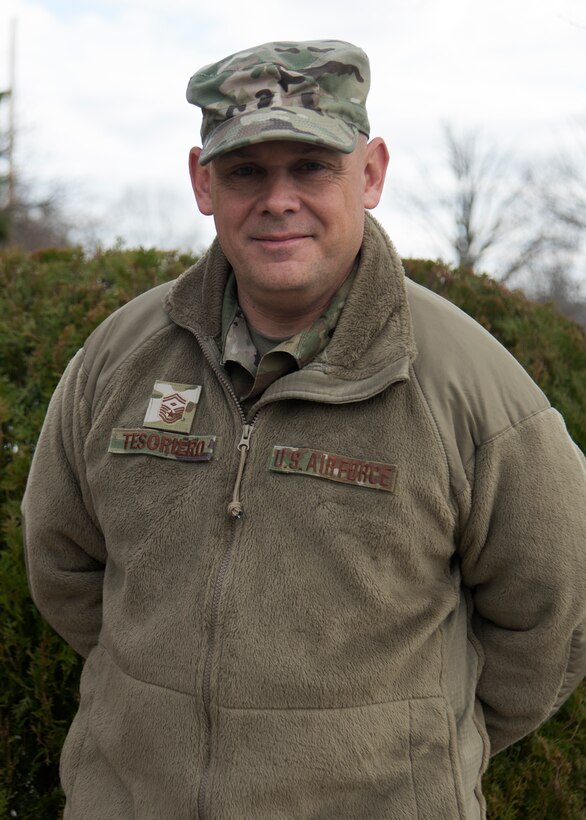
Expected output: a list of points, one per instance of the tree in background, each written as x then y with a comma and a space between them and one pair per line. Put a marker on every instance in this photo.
560, 189
526, 224
563, 184
34, 221
148, 213
28, 219
4, 173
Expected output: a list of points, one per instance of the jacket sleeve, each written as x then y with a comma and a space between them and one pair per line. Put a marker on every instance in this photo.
64, 547
523, 559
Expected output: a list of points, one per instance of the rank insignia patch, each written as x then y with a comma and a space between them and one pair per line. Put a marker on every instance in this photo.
372, 475
172, 406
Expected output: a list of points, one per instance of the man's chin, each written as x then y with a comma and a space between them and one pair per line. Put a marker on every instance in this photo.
283, 280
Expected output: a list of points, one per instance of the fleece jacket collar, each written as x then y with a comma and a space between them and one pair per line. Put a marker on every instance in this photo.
371, 348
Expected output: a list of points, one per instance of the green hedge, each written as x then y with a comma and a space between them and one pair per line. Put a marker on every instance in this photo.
49, 302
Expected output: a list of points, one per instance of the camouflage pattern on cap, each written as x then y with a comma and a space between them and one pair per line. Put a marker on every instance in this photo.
311, 92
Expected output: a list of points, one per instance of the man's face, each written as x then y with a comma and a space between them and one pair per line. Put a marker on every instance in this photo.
290, 216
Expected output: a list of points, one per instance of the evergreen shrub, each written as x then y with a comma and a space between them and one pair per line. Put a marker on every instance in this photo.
49, 302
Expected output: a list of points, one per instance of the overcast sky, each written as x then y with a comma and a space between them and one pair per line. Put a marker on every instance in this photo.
100, 92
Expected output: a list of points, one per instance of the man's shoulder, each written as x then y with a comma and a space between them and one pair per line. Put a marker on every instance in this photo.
131, 323
452, 344
123, 333
473, 385
433, 314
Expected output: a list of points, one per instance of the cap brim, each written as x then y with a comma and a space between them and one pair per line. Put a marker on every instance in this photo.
299, 125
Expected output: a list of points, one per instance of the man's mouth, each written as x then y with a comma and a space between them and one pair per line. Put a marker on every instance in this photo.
278, 238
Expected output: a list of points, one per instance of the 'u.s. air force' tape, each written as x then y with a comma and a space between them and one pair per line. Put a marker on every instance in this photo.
164, 445
372, 475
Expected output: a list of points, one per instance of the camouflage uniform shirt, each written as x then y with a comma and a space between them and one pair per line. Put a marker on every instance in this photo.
250, 371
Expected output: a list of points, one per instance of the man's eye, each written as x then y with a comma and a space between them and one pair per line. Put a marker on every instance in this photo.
312, 165
243, 171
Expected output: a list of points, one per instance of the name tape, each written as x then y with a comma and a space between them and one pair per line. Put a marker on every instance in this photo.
164, 445
372, 475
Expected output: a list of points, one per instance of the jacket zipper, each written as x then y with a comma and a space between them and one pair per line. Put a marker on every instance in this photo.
235, 508
235, 511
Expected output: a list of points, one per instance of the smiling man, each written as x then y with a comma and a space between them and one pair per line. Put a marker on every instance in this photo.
319, 537
290, 217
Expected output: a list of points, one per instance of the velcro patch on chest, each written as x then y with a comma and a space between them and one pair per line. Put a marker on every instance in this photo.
372, 475
132, 442
172, 406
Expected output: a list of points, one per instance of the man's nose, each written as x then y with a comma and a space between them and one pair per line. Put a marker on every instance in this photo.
279, 195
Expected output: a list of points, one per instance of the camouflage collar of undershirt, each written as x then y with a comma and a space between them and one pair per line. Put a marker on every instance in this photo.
252, 373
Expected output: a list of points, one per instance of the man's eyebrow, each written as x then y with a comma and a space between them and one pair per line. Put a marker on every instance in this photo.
297, 146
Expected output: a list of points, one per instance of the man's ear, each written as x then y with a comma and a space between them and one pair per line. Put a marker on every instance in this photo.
375, 169
200, 182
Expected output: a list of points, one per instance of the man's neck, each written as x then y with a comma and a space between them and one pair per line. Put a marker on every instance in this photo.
282, 319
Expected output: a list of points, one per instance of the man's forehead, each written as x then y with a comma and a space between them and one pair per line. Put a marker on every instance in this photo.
276, 148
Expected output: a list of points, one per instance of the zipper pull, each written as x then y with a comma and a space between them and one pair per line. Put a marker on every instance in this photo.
235, 508
245, 440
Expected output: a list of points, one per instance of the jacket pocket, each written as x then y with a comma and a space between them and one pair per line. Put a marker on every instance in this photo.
133, 751
388, 760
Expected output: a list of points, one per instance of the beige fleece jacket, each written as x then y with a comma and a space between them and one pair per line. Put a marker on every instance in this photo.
402, 593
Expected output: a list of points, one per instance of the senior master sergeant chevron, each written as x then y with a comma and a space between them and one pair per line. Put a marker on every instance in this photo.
370, 573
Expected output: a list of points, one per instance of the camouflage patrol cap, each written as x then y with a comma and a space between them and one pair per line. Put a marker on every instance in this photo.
311, 91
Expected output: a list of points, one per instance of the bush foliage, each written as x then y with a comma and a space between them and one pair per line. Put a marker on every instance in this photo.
49, 302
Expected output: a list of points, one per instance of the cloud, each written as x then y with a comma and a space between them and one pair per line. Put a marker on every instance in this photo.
100, 85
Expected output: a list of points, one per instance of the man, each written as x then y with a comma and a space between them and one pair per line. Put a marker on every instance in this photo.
318, 535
